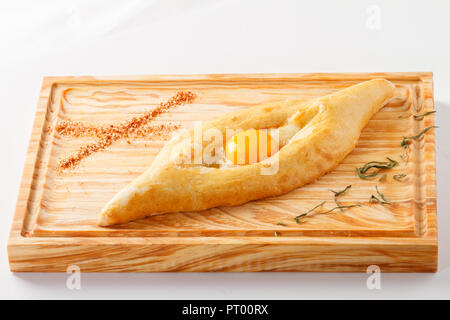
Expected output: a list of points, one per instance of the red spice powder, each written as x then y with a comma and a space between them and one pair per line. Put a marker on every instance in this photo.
136, 126
76, 129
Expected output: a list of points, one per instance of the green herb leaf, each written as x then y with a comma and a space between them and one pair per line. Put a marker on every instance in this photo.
338, 193
366, 176
399, 177
382, 196
420, 116
383, 177
407, 140
282, 224
341, 207
375, 199
297, 218
362, 171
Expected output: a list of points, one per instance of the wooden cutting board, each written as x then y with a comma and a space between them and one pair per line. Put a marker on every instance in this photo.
54, 225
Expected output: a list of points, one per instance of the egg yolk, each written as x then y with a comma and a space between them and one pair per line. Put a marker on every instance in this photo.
250, 146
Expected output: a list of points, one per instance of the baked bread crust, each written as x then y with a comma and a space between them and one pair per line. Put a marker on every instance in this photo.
318, 134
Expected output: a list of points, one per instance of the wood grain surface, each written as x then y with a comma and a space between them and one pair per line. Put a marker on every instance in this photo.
55, 221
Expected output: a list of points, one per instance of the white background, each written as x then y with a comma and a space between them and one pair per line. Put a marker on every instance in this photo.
39, 38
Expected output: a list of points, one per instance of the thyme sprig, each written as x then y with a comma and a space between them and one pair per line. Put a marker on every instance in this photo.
303, 215
407, 140
297, 218
374, 199
366, 176
362, 171
383, 199
340, 207
339, 193
382, 196
420, 116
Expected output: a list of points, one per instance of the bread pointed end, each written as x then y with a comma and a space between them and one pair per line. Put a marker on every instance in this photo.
103, 221
390, 86
107, 215
118, 209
